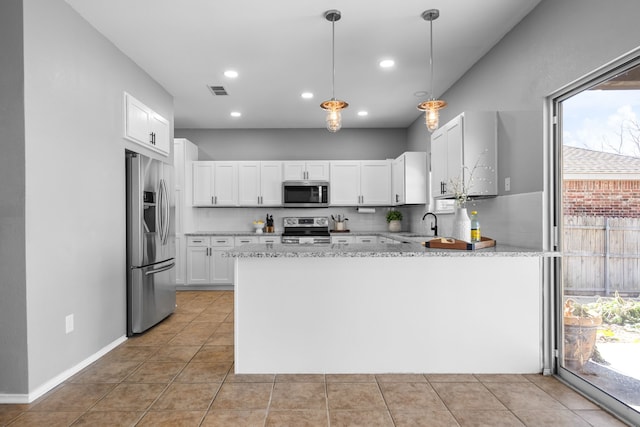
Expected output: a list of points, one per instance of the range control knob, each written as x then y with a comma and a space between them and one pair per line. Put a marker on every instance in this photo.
322, 221
289, 221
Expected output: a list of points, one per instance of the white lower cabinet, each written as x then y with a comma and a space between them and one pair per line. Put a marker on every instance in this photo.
205, 263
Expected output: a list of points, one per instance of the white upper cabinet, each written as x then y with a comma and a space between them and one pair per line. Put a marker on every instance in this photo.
260, 183
215, 183
465, 151
310, 170
146, 127
360, 183
409, 178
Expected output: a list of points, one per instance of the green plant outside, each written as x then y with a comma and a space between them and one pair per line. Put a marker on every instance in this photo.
613, 310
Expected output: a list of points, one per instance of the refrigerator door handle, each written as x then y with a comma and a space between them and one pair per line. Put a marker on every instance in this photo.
160, 270
165, 211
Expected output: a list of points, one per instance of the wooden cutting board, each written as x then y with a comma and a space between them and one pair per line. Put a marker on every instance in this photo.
446, 243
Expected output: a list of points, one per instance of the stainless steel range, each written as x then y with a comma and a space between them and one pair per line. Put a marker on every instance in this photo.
306, 230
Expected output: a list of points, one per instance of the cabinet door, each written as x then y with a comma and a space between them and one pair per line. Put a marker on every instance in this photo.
345, 183
222, 267
318, 171
226, 183
455, 140
294, 171
439, 174
203, 183
137, 118
271, 183
248, 183
415, 178
375, 183
161, 133
397, 181
198, 265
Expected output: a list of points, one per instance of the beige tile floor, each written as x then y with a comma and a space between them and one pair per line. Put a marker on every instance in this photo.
180, 373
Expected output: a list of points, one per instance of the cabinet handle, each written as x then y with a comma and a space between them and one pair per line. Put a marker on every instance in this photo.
197, 241
213, 202
397, 198
221, 241
215, 198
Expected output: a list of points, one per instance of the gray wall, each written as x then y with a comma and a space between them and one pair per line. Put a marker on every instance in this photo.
296, 144
556, 44
74, 194
13, 298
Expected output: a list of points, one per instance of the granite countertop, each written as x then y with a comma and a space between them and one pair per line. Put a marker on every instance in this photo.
411, 246
413, 249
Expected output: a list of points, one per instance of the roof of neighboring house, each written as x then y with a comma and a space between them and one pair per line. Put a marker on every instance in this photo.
581, 163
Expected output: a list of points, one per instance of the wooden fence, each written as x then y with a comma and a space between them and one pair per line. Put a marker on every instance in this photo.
601, 255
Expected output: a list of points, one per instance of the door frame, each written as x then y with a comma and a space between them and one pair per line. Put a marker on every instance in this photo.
553, 231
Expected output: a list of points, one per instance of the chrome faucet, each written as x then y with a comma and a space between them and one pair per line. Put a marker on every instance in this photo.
435, 224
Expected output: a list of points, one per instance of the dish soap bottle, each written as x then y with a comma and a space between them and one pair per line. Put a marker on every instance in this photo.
475, 227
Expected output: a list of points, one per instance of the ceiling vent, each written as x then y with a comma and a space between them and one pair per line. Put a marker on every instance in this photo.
218, 90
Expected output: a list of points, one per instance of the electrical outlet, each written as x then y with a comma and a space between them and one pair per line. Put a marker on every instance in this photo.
68, 323
507, 184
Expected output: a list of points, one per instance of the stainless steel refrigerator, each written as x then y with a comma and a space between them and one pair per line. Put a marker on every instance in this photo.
151, 277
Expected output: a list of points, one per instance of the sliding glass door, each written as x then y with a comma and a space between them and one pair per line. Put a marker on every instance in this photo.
597, 143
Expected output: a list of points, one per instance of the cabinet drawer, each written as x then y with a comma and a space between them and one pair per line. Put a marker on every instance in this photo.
270, 239
197, 241
221, 241
366, 239
343, 239
239, 241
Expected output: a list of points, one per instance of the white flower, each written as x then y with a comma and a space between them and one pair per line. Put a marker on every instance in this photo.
462, 189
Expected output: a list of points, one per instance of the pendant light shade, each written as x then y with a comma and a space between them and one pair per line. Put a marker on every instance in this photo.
333, 106
433, 105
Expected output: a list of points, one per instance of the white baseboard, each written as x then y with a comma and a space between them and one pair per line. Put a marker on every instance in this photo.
58, 379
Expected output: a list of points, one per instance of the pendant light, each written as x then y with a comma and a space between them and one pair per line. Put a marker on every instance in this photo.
333, 106
431, 107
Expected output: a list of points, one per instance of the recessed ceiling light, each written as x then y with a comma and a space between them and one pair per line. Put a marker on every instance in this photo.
236, 114
363, 113
306, 95
387, 63
232, 74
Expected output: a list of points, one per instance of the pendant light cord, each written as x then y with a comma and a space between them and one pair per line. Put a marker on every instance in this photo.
431, 55
333, 56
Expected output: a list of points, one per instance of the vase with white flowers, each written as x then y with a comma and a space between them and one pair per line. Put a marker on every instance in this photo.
461, 189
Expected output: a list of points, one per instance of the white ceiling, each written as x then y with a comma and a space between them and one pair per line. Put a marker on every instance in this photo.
281, 48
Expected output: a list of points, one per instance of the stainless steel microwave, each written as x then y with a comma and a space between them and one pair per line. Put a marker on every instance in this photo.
305, 194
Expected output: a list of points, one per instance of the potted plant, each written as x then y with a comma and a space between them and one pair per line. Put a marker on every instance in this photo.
580, 327
394, 219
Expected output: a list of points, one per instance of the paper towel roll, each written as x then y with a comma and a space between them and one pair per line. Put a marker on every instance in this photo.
366, 210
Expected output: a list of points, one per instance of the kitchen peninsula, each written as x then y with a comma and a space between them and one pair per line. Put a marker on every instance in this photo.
387, 308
